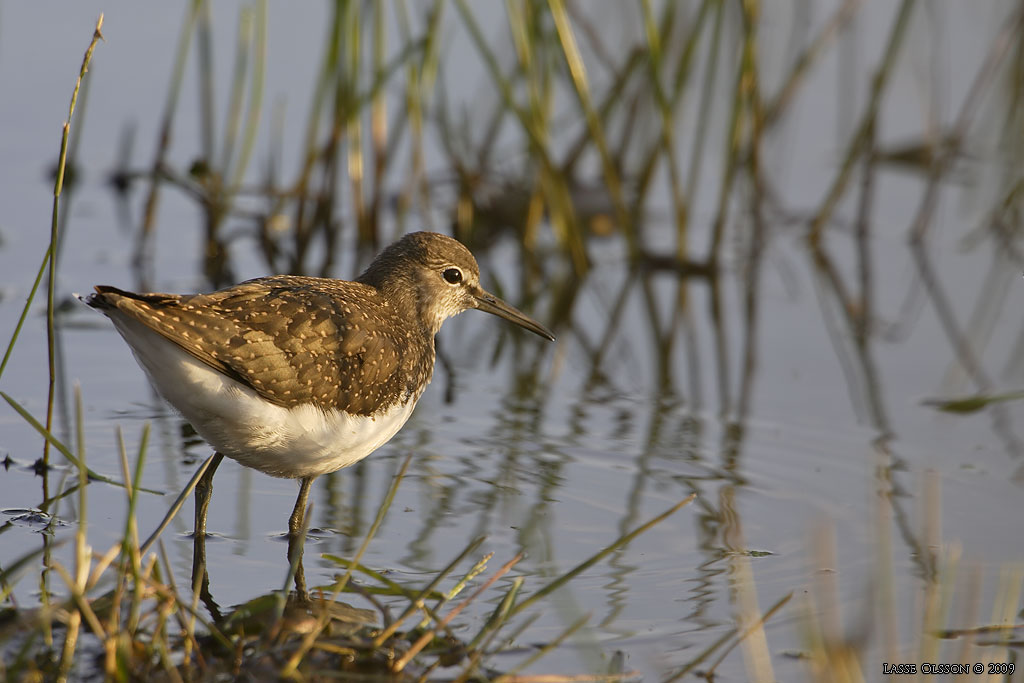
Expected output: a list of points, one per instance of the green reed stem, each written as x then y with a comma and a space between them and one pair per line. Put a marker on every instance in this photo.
864, 130
429, 635
732, 160
130, 543
667, 114
176, 505
703, 655
419, 85
252, 48
473, 572
309, 640
166, 123
417, 602
597, 557
58, 187
563, 214
24, 311
510, 675
83, 560
389, 587
61, 448
802, 64
10, 571
233, 121
578, 74
252, 118
204, 49
706, 99
500, 614
740, 637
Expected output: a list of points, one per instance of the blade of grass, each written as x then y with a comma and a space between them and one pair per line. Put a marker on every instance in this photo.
704, 654
511, 675
58, 186
7, 573
164, 138
473, 572
131, 527
176, 505
500, 614
563, 215
417, 602
597, 557
252, 118
101, 564
61, 448
83, 553
130, 542
706, 100
578, 73
732, 159
802, 64
308, 641
666, 112
390, 587
752, 628
185, 609
378, 124
205, 67
419, 83
233, 119
389, 497
353, 123
82, 608
394, 589
24, 311
427, 636
971, 404
865, 128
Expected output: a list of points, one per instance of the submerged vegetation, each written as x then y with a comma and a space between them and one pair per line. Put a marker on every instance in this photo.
656, 142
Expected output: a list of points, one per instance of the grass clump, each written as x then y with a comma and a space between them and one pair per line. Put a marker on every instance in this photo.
119, 614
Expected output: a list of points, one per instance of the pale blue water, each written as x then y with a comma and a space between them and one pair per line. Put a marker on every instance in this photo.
561, 467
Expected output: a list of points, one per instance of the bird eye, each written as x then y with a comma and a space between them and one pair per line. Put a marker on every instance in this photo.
452, 276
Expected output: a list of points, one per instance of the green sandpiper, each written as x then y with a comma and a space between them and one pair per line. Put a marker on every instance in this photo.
302, 376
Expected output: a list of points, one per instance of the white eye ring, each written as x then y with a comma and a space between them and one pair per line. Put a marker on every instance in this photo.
452, 276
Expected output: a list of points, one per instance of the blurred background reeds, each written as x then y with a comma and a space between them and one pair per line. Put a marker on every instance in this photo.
778, 243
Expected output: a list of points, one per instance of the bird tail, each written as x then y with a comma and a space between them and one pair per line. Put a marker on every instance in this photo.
104, 297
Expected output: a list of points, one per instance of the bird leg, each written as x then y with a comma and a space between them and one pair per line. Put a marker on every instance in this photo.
299, 511
204, 487
295, 550
200, 577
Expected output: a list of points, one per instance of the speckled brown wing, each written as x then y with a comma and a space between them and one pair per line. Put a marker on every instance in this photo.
293, 340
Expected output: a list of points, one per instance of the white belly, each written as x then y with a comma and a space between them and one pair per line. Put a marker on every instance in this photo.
283, 442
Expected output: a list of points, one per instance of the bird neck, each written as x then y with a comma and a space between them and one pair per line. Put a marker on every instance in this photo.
401, 289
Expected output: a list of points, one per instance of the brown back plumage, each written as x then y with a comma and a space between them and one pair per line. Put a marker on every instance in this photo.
294, 340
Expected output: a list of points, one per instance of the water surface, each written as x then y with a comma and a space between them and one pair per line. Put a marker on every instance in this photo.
787, 423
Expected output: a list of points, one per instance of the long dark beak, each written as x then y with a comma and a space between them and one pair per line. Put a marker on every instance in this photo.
492, 304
